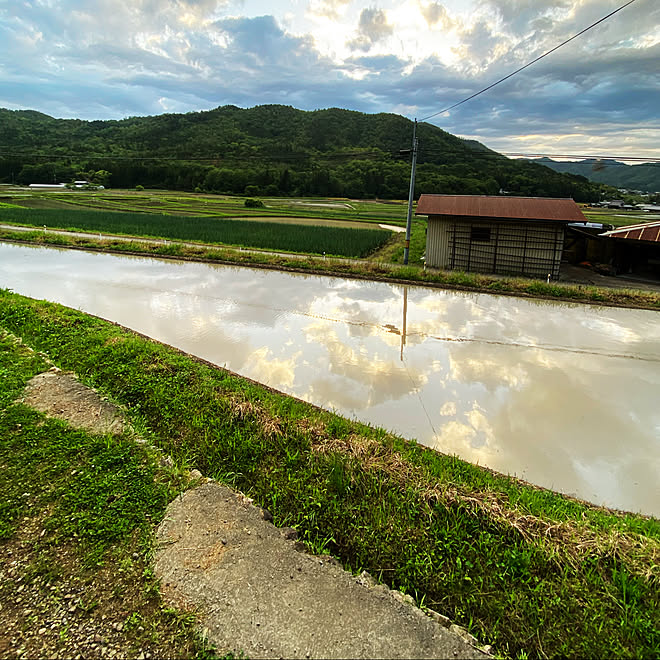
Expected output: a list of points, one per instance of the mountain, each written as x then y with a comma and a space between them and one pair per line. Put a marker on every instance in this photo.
644, 177
267, 150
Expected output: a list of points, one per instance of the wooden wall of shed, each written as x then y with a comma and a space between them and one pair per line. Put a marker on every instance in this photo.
513, 248
438, 234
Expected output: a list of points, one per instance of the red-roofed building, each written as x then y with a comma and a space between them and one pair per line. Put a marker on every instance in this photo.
637, 248
505, 235
648, 232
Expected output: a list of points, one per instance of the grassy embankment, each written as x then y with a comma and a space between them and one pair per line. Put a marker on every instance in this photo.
531, 572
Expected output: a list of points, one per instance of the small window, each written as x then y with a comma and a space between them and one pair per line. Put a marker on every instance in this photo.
480, 234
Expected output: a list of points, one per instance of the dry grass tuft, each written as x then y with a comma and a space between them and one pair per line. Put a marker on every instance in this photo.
243, 409
112, 341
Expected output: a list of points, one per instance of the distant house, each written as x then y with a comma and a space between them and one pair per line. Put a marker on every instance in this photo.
505, 235
46, 186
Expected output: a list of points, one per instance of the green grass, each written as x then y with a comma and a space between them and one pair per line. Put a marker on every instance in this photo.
341, 241
77, 515
393, 251
532, 572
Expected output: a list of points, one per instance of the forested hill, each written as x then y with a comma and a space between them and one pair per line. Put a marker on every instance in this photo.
644, 177
266, 150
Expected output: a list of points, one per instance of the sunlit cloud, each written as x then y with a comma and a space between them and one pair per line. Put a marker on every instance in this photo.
107, 59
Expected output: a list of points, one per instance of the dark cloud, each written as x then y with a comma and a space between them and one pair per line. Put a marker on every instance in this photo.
262, 41
372, 28
604, 98
434, 13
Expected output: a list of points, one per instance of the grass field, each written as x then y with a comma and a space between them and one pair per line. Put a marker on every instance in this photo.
313, 239
534, 573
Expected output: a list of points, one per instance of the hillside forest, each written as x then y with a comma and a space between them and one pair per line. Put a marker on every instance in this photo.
268, 150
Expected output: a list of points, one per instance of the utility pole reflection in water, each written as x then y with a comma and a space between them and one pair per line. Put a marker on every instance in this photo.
405, 313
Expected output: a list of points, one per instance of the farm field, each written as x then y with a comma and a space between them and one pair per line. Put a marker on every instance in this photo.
616, 217
305, 238
190, 204
309, 210
216, 210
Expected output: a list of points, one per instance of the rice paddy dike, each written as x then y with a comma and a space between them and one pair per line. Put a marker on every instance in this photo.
307, 233
531, 572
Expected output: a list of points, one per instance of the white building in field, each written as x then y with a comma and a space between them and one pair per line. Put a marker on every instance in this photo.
47, 186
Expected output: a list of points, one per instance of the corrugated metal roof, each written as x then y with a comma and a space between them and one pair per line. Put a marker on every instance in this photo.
518, 208
649, 231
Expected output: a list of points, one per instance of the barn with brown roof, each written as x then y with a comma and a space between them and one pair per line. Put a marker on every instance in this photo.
505, 235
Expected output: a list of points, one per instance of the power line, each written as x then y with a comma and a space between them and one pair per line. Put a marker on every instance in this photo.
540, 57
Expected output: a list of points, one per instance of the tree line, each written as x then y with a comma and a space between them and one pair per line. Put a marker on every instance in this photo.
269, 151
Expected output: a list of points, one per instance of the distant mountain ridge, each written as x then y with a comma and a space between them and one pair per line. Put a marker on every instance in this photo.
644, 176
267, 150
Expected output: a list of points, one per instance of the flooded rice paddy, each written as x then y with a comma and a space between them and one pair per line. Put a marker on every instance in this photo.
563, 395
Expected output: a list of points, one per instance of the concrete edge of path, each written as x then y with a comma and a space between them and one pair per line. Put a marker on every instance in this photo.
258, 593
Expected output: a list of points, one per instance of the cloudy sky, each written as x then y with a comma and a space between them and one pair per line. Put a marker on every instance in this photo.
109, 59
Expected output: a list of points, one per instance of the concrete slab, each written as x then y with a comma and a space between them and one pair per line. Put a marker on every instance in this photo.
259, 594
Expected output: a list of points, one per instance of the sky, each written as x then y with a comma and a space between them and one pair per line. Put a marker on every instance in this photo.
111, 59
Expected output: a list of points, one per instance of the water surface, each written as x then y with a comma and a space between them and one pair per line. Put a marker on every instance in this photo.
562, 395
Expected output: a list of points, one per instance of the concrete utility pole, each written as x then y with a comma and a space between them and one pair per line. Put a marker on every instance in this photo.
411, 193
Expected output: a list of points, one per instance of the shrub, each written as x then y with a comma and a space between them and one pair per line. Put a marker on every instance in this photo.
254, 203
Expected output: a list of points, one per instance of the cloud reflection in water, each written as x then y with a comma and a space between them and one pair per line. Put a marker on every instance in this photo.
562, 395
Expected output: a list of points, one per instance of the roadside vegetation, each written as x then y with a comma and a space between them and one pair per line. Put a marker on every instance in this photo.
534, 573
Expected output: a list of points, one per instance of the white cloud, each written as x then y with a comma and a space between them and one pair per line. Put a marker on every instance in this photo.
331, 9
112, 58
